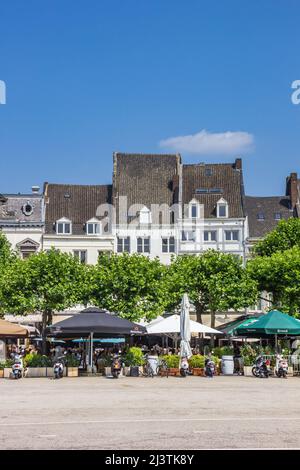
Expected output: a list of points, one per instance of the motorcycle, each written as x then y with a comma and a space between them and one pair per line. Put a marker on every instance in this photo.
116, 366
209, 367
281, 367
58, 368
261, 369
17, 367
184, 367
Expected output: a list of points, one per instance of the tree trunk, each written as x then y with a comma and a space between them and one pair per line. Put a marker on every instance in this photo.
46, 319
199, 312
212, 324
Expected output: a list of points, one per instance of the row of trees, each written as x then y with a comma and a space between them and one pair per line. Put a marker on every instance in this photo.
136, 287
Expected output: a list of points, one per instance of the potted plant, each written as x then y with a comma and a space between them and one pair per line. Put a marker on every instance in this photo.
6, 368
172, 363
134, 359
37, 365
196, 363
72, 365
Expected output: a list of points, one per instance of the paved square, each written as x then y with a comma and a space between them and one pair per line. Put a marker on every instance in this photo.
144, 413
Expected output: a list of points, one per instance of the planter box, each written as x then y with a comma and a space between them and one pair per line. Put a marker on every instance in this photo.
126, 371
198, 371
107, 370
174, 371
36, 372
72, 371
248, 371
1, 373
50, 373
7, 372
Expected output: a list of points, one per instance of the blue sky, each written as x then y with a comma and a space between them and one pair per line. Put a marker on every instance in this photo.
85, 79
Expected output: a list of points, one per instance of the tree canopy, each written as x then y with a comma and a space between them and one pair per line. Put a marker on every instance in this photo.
213, 280
280, 275
130, 285
283, 237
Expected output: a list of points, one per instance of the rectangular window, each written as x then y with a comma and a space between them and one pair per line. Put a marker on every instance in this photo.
143, 245
194, 211
93, 228
123, 245
188, 235
81, 255
168, 245
210, 235
222, 210
63, 227
277, 216
232, 235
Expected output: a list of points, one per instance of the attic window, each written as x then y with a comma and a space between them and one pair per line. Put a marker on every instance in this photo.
260, 216
208, 171
27, 209
277, 216
67, 196
201, 191
216, 190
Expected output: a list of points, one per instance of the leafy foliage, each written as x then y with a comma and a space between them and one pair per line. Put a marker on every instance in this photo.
280, 275
130, 285
172, 361
37, 360
213, 281
134, 357
285, 236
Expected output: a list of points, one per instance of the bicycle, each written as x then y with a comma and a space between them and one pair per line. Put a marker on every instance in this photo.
162, 368
147, 369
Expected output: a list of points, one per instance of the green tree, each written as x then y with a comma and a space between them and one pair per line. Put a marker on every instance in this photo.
45, 282
7, 256
280, 275
214, 281
283, 237
130, 285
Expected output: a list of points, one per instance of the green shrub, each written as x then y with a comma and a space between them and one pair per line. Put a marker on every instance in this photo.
71, 361
8, 363
223, 351
171, 360
197, 361
37, 360
134, 357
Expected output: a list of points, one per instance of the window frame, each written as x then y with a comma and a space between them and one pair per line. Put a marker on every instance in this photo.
168, 245
140, 244
124, 240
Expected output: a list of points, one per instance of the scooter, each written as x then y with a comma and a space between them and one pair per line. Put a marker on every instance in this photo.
58, 368
261, 369
116, 367
17, 367
209, 367
184, 367
281, 367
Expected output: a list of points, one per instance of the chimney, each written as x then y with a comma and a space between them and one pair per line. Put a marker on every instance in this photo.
292, 189
238, 164
35, 189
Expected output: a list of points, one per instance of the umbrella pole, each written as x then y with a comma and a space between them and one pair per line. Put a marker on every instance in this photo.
91, 351
276, 343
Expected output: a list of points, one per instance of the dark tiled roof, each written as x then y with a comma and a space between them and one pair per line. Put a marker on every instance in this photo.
267, 206
224, 176
12, 209
75, 202
146, 179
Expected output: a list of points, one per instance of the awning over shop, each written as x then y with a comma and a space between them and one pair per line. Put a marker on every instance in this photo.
12, 330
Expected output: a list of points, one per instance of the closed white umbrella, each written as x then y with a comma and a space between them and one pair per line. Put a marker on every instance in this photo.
185, 328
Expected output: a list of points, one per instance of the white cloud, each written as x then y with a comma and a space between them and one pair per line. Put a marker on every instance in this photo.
204, 142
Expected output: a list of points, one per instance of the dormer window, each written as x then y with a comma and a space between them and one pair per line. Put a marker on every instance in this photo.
145, 216
93, 227
194, 209
222, 208
64, 226
27, 209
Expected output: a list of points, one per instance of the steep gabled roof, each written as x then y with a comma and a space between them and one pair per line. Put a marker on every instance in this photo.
268, 206
226, 177
146, 179
75, 202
